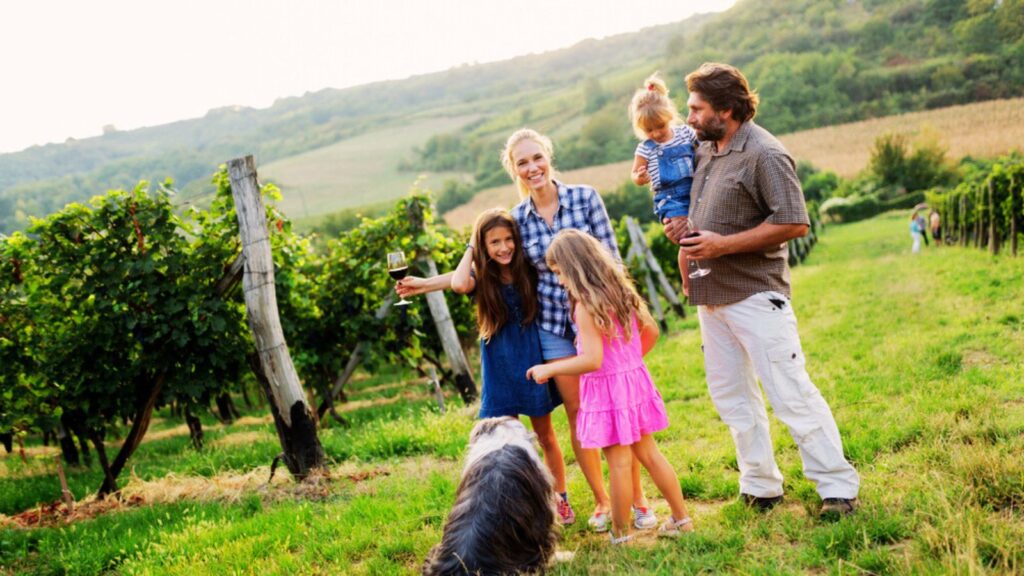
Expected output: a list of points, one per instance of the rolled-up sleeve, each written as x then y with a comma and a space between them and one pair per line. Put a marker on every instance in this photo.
777, 181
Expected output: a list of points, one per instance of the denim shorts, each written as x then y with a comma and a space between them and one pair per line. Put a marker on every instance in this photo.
553, 347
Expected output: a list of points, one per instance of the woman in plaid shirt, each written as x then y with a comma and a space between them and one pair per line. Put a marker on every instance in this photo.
549, 206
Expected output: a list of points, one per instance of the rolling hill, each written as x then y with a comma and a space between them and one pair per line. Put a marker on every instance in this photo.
816, 63
983, 129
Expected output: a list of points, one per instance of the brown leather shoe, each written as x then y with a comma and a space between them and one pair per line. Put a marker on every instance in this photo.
838, 507
760, 503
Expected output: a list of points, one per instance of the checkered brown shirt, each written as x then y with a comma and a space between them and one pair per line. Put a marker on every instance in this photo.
752, 181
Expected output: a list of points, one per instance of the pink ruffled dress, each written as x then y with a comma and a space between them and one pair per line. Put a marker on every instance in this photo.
618, 402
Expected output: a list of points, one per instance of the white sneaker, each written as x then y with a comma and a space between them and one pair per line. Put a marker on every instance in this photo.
644, 518
599, 522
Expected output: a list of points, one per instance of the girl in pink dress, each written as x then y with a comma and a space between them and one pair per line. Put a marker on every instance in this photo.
619, 406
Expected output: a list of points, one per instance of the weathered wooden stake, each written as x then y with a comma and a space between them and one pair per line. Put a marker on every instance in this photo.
294, 417
443, 320
436, 383
637, 235
353, 362
65, 493
449, 337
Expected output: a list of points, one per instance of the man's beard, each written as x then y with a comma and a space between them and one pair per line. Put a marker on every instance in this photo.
713, 130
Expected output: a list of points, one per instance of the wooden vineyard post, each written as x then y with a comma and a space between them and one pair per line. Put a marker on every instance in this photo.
65, 493
436, 385
1014, 194
443, 319
636, 235
293, 416
659, 314
338, 389
993, 226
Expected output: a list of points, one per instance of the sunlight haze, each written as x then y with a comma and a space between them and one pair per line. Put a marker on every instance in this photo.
71, 67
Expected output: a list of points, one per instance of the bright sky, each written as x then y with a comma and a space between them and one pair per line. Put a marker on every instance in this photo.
72, 66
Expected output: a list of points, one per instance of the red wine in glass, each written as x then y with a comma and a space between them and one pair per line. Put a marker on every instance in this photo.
691, 232
398, 268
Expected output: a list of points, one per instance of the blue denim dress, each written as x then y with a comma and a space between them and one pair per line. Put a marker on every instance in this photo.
504, 360
675, 175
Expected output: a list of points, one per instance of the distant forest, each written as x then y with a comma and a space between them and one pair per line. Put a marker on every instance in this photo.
814, 62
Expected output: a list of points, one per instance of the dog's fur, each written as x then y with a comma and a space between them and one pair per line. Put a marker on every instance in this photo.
504, 518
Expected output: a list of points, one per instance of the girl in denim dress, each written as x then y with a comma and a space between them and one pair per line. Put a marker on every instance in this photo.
494, 269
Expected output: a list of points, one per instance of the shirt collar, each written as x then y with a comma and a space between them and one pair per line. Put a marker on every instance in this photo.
738, 140
564, 200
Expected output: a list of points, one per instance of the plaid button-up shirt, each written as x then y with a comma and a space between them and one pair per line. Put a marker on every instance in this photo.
752, 181
579, 207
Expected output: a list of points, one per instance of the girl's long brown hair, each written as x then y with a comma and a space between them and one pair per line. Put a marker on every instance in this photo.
597, 282
491, 311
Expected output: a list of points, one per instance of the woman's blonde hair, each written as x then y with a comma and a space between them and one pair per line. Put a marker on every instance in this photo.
651, 108
596, 281
510, 163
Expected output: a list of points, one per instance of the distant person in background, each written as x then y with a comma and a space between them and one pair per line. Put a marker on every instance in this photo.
916, 232
549, 206
935, 222
665, 156
747, 203
922, 226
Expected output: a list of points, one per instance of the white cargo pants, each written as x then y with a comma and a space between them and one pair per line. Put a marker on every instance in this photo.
759, 336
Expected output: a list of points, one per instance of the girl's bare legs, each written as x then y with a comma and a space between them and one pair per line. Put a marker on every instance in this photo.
639, 500
620, 477
552, 451
589, 459
646, 450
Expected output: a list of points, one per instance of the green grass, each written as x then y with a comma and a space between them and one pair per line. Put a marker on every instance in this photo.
919, 357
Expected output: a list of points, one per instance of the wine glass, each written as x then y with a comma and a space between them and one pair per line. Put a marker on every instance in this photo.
398, 268
689, 231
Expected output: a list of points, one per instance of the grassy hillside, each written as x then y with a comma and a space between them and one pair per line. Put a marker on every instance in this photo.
918, 356
981, 130
815, 63
356, 171
42, 179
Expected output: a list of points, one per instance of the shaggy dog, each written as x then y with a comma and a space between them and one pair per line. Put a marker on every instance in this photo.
504, 518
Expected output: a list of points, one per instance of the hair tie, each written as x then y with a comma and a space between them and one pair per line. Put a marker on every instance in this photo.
650, 87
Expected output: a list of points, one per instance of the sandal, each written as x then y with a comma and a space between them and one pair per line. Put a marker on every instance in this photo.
672, 527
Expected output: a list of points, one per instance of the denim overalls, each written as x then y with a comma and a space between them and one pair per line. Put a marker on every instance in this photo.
675, 176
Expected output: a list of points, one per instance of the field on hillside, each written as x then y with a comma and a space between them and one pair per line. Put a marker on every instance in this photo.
920, 358
355, 172
984, 129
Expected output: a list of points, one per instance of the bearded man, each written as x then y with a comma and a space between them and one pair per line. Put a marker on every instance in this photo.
746, 204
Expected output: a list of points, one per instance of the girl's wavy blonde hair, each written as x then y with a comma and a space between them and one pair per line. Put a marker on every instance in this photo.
651, 108
596, 281
510, 163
